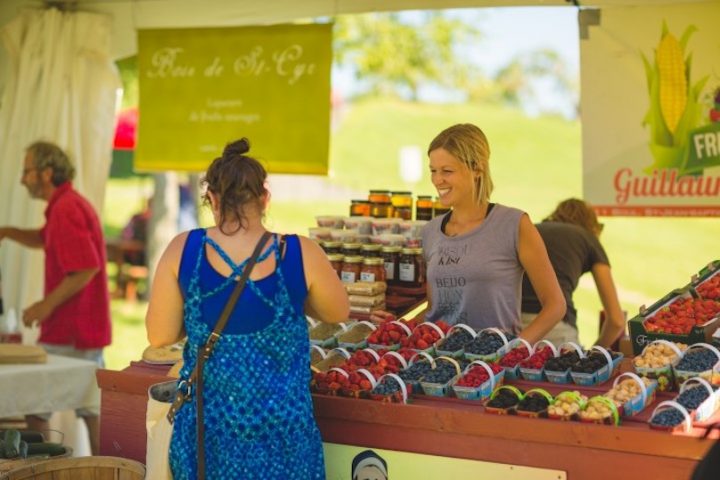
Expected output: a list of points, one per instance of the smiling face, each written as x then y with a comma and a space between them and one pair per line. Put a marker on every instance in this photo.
453, 180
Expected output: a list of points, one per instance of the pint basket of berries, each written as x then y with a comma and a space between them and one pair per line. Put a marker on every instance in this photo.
478, 380
518, 351
698, 361
453, 345
359, 384
567, 405
534, 403
601, 410
557, 369
420, 364
489, 345
531, 368
657, 361
425, 335
504, 400
671, 416
699, 398
330, 382
632, 393
389, 335
391, 389
437, 381
595, 368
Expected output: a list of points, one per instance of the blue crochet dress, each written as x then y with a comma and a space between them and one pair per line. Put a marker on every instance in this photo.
258, 409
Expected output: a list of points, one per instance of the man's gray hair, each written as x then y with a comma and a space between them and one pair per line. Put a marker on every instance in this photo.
48, 155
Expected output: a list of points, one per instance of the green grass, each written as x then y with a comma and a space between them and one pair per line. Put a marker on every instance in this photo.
535, 163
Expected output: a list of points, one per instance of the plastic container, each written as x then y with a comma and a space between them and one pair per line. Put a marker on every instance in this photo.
563, 377
536, 374
637, 404
508, 389
612, 419
534, 413
685, 424
664, 375
682, 375
440, 389
330, 221
455, 353
400, 396
483, 391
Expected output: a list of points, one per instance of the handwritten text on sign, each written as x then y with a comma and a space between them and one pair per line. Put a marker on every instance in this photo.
202, 88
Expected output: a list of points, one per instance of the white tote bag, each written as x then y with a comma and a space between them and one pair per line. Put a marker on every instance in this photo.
159, 430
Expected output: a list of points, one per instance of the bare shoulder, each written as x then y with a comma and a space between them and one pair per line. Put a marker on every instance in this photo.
173, 252
310, 249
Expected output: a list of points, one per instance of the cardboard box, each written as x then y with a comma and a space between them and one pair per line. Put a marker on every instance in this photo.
641, 337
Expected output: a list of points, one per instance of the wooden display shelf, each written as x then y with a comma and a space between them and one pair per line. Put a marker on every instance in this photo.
445, 427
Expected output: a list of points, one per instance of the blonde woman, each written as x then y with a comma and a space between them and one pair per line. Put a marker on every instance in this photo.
571, 235
478, 252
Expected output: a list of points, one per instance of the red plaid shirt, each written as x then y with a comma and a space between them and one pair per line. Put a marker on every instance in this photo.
73, 241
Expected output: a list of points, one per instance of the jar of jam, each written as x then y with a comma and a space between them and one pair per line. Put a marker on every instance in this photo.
381, 209
336, 260
439, 208
350, 272
391, 260
370, 250
424, 207
331, 246
350, 249
373, 270
408, 269
379, 196
359, 208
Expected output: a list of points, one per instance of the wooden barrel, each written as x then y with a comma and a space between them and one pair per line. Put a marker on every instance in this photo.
82, 468
11, 465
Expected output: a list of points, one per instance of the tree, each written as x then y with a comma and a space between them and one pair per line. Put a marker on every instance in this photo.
515, 81
396, 53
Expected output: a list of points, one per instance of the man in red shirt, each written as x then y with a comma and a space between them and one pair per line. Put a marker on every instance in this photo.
74, 315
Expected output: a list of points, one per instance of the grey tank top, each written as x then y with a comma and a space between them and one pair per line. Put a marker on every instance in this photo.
476, 278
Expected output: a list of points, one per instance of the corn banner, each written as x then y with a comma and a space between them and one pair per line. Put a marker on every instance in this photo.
202, 88
650, 79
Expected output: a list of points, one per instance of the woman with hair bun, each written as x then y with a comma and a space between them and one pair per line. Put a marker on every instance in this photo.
258, 413
572, 237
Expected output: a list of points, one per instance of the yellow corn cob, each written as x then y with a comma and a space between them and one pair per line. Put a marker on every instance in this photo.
673, 84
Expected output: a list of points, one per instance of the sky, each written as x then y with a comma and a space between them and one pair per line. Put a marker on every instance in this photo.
506, 32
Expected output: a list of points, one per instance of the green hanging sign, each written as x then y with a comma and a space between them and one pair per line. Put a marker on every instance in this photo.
203, 88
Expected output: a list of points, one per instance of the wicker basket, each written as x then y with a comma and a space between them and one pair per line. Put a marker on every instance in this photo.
83, 468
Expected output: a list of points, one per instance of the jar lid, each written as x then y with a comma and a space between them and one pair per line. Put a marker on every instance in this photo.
379, 191
370, 247
351, 245
401, 193
331, 243
391, 249
353, 259
373, 261
425, 196
335, 257
417, 251
360, 201
408, 251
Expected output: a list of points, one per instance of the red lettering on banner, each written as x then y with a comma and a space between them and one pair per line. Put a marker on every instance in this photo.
660, 184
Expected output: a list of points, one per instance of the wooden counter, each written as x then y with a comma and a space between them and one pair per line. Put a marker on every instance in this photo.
444, 427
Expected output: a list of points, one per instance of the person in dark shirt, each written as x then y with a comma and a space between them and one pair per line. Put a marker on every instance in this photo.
571, 235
